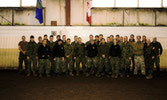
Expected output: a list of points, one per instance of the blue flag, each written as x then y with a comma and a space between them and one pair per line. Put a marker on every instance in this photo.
39, 12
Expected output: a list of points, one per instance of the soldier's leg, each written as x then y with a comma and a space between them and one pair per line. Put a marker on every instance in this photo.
121, 69
29, 67
83, 65
101, 64
146, 60
136, 58
123, 65
143, 68
71, 66
127, 66
95, 63
77, 65
47, 66
107, 67
57, 68
89, 64
41, 66
117, 64
52, 64
20, 63
62, 65
26, 64
34, 66
157, 61
133, 63
112, 64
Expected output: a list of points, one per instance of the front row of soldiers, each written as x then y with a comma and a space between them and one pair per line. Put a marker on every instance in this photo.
97, 57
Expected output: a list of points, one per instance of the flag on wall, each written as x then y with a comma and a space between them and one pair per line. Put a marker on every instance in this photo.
88, 13
39, 11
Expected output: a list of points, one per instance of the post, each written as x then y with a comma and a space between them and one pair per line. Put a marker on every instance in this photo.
20, 3
12, 17
68, 2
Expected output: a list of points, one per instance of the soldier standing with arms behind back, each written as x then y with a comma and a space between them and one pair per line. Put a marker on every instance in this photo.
22, 55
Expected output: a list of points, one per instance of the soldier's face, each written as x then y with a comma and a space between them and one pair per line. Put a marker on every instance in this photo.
46, 37
58, 38
23, 38
108, 39
90, 37
154, 39
80, 40
125, 39
59, 43
111, 38
39, 39
75, 38
144, 38
103, 41
121, 39
64, 38
31, 39
131, 37
138, 38
115, 41
148, 41
68, 41
51, 38
100, 37
96, 38
44, 42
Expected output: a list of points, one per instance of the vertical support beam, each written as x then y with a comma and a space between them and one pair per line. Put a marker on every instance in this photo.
20, 3
123, 20
13, 17
137, 3
44, 10
162, 3
155, 17
114, 3
68, 10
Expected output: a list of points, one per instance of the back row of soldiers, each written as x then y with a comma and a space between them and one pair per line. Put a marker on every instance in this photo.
97, 56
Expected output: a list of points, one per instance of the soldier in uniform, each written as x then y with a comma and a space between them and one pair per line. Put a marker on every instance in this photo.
157, 47
117, 38
51, 44
58, 55
90, 38
126, 57
46, 38
68, 48
132, 41
79, 55
64, 40
32, 56
39, 41
114, 55
91, 56
75, 41
138, 56
22, 55
57, 37
44, 54
149, 56
97, 40
103, 53
120, 43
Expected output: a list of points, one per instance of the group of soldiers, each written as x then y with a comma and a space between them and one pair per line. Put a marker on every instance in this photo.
112, 56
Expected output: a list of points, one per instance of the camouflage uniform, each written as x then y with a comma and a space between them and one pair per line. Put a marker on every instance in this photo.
103, 62
32, 54
79, 53
58, 54
121, 58
125, 61
148, 54
91, 53
51, 45
69, 52
114, 54
44, 54
138, 57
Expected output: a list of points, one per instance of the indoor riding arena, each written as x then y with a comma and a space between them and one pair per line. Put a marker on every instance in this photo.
83, 49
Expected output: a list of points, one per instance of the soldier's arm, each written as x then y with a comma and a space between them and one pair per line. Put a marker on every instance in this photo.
161, 49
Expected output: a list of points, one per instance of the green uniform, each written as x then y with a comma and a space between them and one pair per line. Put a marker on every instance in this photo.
138, 57
79, 53
121, 59
125, 61
32, 54
148, 55
69, 61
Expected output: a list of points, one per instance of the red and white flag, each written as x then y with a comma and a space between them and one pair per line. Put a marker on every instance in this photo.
88, 13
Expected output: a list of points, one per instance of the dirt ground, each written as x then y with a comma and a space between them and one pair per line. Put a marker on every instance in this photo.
14, 86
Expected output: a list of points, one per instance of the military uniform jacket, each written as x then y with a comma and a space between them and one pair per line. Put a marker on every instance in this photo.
44, 52
126, 50
32, 49
157, 48
68, 50
138, 48
58, 51
103, 50
92, 50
